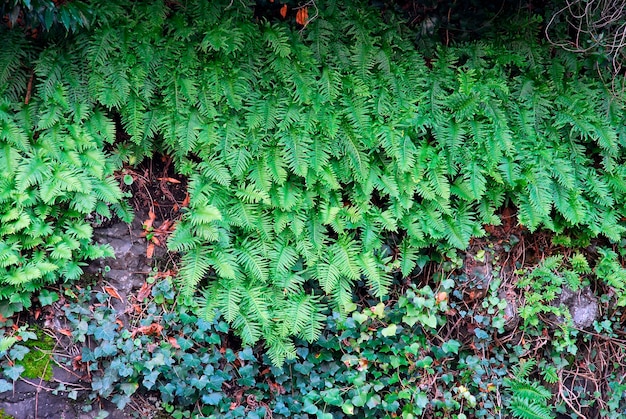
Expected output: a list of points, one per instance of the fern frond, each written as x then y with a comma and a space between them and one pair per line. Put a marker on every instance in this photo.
526, 409
224, 263
196, 266
280, 348
249, 330
257, 304
283, 258
296, 149
344, 257
250, 257
378, 280
228, 297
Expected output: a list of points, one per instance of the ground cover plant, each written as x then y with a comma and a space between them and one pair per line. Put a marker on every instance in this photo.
326, 159
434, 352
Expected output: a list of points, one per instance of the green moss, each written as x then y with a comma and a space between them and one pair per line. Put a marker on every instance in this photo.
4, 415
38, 361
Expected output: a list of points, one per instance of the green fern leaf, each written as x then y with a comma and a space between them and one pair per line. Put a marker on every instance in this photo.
250, 257
224, 264
525, 409
283, 258
328, 276
249, 329
280, 348
378, 281
296, 150
257, 304
228, 297
344, 256
196, 265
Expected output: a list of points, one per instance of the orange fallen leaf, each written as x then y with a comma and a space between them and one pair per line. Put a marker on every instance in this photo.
148, 223
302, 16
165, 274
283, 11
442, 296
185, 202
150, 250
172, 340
112, 292
144, 291
66, 332
153, 329
168, 179
166, 226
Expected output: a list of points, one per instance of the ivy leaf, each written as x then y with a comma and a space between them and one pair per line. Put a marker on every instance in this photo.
212, 399
107, 332
47, 297
5, 385
451, 347
14, 372
359, 317
389, 330
18, 352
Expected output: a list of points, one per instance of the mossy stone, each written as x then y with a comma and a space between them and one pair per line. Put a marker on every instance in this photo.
38, 361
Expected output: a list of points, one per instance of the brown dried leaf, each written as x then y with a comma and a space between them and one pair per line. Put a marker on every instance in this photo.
153, 329
172, 340
66, 332
144, 291
185, 202
148, 223
168, 179
150, 250
112, 292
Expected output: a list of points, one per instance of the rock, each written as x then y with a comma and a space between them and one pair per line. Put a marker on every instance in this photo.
511, 311
128, 270
478, 269
582, 305
27, 402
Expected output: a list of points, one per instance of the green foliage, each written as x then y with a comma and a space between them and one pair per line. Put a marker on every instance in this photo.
44, 14
30, 358
371, 364
543, 285
38, 361
529, 399
317, 159
54, 175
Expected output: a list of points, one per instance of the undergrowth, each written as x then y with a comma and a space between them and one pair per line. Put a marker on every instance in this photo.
323, 161
316, 157
429, 352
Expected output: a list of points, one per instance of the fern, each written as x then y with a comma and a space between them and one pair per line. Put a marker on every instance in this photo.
528, 398
310, 154
524, 409
196, 266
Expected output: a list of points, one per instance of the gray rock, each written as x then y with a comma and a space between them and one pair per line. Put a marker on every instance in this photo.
128, 270
582, 306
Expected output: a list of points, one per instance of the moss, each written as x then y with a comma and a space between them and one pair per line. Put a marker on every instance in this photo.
4, 415
38, 361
